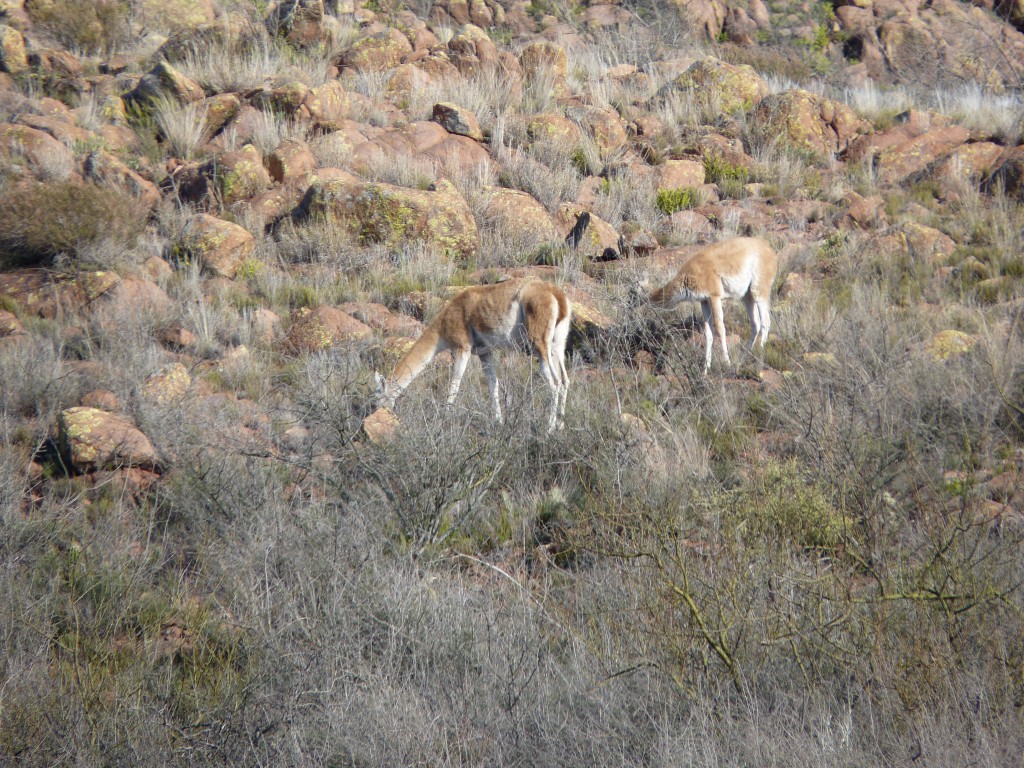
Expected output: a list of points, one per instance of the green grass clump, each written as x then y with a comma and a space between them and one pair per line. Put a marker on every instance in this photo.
670, 201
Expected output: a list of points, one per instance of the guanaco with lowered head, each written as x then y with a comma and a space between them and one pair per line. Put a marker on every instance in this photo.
739, 268
521, 314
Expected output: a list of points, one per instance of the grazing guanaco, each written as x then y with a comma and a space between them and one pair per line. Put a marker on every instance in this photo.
740, 268
522, 314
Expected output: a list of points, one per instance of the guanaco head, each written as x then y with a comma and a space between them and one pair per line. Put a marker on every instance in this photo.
638, 288
383, 395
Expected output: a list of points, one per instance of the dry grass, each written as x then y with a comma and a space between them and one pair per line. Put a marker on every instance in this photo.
183, 127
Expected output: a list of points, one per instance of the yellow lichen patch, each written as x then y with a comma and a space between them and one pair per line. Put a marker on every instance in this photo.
90, 438
950, 343
395, 347
95, 284
169, 385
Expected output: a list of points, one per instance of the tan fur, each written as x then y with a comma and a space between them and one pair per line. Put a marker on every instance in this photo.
514, 314
740, 268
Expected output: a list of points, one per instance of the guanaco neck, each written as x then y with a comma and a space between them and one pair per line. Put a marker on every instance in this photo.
414, 361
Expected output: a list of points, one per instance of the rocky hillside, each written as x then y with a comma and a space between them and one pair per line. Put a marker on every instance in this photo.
219, 219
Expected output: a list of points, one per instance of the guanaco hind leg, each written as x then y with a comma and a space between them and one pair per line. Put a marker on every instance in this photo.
754, 313
487, 361
461, 362
709, 334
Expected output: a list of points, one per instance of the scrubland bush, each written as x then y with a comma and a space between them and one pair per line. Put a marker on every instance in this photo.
43, 221
94, 26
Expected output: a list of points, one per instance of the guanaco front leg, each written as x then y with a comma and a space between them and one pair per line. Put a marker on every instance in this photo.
716, 305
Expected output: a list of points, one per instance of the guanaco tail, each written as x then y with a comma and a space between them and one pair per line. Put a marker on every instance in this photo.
521, 314
743, 268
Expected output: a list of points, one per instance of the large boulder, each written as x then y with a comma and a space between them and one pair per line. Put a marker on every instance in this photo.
606, 129
708, 15
219, 109
91, 439
377, 52
167, 386
327, 106
12, 332
35, 151
165, 15
50, 295
164, 81
13, 56
220, 246
237, 175
968, 162
313, 330
456, 119
506, 210
384, 213
898, 162
1008, 174
732, 88
290, 159
300, 22
809, 121
545, 62
106, 169
935, 44
382, 319
597, 238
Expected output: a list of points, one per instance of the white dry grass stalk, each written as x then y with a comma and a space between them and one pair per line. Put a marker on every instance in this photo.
871, 101
472, 181
972, 106
778, 165
401, 170
487, 94
89, 114
540, 91
627, 199
680, 109
231, 66
544, 170
183, 126
56, 167
270, 129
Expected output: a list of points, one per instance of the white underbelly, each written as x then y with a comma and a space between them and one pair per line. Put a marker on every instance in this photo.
735, 286
508, 334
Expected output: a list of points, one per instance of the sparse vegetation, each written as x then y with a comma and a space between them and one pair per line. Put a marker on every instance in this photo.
810, 556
